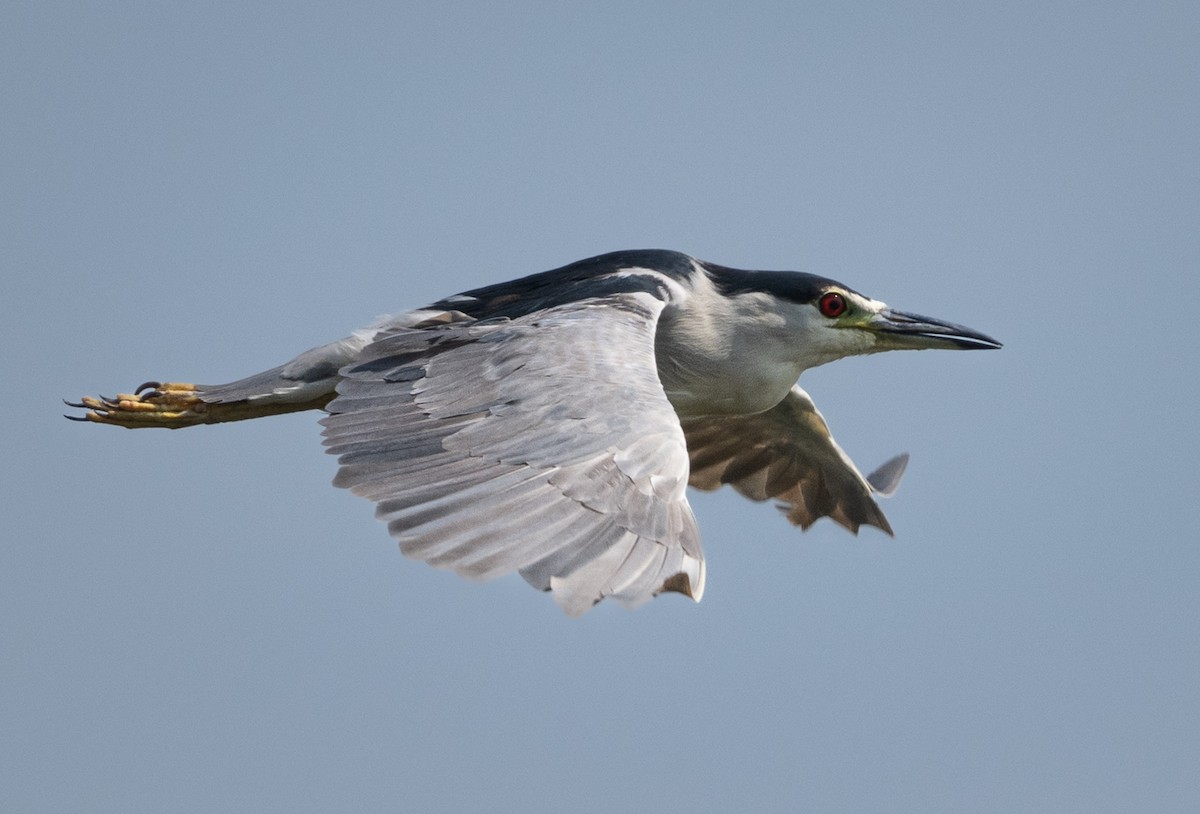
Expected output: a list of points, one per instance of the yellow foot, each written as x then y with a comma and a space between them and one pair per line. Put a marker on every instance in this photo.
154, 404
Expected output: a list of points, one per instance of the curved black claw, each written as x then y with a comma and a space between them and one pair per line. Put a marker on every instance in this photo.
75, 417
77, 404
147, 386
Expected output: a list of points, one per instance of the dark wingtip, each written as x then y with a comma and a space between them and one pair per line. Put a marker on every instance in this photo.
879, 520
679, 583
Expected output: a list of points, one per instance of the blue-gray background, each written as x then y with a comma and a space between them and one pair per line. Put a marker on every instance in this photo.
197, 621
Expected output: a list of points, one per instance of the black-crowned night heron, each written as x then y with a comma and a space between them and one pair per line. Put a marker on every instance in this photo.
550, 425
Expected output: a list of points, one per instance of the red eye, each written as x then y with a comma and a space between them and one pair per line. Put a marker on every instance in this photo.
832, 304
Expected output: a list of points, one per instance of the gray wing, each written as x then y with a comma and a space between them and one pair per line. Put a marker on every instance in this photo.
787, 453
544, 445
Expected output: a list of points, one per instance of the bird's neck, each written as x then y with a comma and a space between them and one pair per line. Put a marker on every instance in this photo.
726, 355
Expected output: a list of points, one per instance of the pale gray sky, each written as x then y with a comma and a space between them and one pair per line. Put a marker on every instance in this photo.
198, 621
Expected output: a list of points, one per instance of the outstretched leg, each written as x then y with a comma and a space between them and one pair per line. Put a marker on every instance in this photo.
308, 382
174, 405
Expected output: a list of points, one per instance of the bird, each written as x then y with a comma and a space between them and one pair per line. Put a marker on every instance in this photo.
551, 425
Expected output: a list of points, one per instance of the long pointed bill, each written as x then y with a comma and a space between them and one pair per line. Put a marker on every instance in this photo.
897, 330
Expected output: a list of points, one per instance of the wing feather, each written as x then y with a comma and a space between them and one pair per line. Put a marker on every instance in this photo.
785, 453
542, 444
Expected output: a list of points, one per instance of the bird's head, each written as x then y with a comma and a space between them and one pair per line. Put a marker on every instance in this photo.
843, 318
821, 320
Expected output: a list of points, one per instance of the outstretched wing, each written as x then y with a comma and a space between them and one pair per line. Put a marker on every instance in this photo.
542, 444
787, 453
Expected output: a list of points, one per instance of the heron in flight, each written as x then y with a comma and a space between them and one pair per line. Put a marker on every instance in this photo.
551, 425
